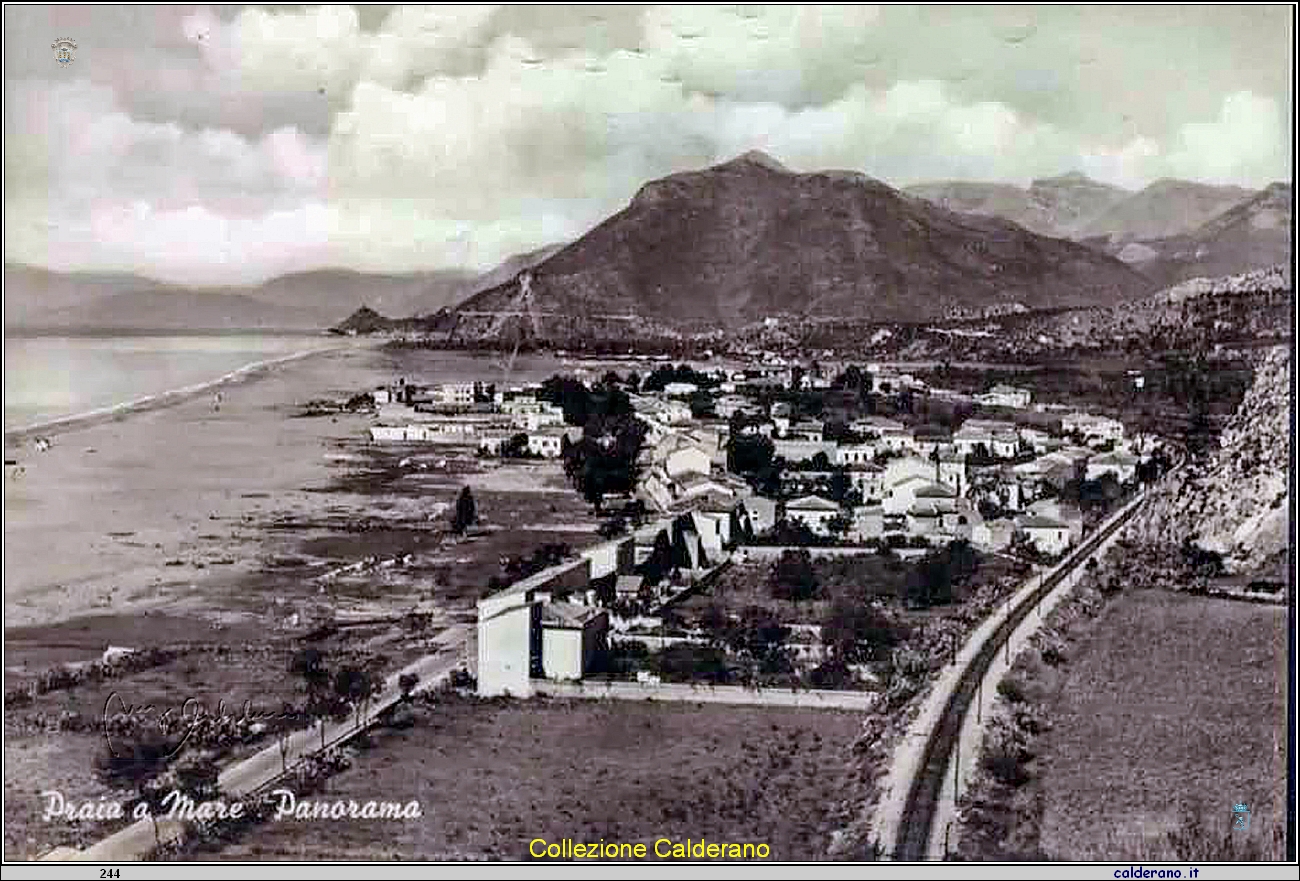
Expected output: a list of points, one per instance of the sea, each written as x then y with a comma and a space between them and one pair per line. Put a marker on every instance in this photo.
54, 377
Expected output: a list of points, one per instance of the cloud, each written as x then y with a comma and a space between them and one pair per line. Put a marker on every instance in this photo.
456, 136
1247, 144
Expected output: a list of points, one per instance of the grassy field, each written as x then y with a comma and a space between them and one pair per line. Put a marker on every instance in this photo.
490, 777
1171, 711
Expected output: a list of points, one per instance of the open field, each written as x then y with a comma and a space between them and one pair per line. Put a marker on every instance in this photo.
1172, 710
492, 776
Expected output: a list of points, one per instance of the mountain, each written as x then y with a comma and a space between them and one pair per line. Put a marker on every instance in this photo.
1236, 502
331, 293
748, 239
30, 291
1163, 209
471, 284
40, 298
179, 309
1055, 206
1074, 199
1253, 234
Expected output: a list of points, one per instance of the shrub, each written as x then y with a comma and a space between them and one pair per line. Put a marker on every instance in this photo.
1012, 690
1003, 760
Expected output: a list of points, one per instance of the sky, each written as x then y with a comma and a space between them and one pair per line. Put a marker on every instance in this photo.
227, 145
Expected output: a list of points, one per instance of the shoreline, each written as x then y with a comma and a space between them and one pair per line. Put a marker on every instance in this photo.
159, 400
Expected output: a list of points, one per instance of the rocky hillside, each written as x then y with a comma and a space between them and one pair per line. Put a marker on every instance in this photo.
1165, 208
1059, 206
749, 239
1236, 501
1252, 234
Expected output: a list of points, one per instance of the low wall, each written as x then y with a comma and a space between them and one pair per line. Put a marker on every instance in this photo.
766, 553
710, 694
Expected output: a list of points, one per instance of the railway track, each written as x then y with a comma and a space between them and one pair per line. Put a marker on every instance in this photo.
917, 818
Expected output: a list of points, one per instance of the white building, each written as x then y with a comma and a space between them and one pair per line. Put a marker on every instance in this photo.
900, 495
674, 389
387, 433
572, 637
813, 512
869, 481
852, 455
868, 523
1006, 396
1094, 429
801, 450
547, 442
452, 394
1049, 536
908, 466
681, 455
761, 513
808, 430
1120, 465
874, 426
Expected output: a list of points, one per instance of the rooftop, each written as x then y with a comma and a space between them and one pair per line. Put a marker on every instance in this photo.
812, 503
1039, 522
569, 616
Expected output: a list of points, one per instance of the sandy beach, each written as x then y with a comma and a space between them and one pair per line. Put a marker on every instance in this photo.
164, 502
226, 530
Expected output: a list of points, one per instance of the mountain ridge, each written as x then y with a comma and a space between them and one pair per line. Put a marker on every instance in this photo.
747, 238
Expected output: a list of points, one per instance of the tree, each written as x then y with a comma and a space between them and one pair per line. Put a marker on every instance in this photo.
515, 446
612, 527
466, 512
749, 453
660, 562
355, 686
407, 682
840, 485
857, 632
309, 663
605, 460
839, 525
793, 576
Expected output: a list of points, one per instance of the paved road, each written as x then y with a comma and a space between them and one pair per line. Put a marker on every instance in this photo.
262, 768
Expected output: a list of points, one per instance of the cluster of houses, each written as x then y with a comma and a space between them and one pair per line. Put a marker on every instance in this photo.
470, 413
988, 481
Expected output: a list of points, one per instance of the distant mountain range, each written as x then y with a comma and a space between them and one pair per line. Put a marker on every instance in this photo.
1252, 234
1058, 207
41, 299
749, 239
744, 241
1076, 207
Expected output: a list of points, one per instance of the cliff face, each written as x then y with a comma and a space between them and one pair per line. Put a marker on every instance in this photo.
1236, 502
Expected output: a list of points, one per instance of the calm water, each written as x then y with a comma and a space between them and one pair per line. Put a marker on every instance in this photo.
49, 377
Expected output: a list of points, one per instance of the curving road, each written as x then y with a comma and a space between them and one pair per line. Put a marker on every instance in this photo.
264, 768
908, 833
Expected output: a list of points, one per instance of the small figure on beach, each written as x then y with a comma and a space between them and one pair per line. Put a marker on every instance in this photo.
216, 402
42, 444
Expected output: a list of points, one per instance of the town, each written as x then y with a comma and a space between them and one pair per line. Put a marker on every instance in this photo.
716, 467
